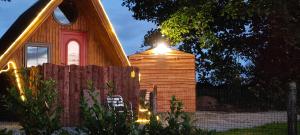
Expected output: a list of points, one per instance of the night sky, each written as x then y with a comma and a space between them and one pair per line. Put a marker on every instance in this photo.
130, 32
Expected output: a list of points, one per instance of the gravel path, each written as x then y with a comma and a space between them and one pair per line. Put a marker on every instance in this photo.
222, 121
10, 125
219, 121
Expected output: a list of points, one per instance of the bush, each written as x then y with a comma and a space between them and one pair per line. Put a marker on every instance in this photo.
98, 120
5, 132
178, 123
39, 113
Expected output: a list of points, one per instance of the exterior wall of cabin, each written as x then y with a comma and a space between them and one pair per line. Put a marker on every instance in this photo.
97, 42
173, 74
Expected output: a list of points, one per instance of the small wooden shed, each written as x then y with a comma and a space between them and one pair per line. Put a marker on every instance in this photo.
173, 73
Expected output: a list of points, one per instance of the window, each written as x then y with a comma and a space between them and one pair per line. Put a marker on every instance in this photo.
36, 55
66, 13
73, 53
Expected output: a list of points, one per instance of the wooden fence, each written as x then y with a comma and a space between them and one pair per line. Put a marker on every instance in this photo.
71, 80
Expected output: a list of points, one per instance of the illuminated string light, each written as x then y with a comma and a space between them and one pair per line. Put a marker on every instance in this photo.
143, 110
12, 66
143, 121
114, 32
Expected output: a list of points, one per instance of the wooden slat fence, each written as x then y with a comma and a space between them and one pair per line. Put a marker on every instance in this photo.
71, 80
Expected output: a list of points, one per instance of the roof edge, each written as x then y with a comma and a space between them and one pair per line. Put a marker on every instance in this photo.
25, 34
119, 47
149, 51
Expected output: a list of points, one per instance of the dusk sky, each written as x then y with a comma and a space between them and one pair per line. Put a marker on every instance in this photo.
130, 31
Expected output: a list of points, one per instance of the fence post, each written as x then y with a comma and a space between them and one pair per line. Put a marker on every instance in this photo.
292, 108
153, 101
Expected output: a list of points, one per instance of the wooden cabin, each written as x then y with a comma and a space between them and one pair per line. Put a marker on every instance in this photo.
78, 43
62, 32
171, 72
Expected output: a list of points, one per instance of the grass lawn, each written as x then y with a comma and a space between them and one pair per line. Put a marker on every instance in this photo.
269, 129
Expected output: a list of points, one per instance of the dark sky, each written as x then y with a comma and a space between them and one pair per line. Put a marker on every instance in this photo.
129, 31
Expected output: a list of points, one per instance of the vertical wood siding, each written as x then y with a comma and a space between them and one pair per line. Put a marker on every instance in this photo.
99, 52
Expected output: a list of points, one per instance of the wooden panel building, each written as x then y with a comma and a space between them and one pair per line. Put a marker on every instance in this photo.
173, 73
55, 26
67, 34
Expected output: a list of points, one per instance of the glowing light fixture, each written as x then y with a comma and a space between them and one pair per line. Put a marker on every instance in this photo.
12, 66
140, 77
157, 118
161, 48
143, 110
143, 121
132, 74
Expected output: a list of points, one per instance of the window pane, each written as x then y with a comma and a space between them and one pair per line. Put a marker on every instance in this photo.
66, 13
73, 53
42, 55
36, 55
61, 17
31, 56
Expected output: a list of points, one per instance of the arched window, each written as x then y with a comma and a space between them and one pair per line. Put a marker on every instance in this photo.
73, 53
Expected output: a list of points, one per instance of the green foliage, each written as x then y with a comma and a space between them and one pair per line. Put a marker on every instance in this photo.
98, 120
109, 86
212, 30
178, 123
253, 43
5, 132
39, 114
185, 20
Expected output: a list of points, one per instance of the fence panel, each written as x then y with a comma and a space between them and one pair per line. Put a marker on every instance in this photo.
71, 80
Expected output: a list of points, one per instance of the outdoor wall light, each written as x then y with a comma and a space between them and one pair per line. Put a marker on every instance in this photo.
161, 48
132, 74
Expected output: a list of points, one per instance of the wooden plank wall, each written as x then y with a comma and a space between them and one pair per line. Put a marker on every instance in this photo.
71, 80
173, 74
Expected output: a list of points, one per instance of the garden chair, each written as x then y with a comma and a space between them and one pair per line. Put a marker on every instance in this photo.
116, 102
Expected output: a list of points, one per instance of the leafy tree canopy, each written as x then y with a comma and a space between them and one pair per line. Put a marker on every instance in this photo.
231, 39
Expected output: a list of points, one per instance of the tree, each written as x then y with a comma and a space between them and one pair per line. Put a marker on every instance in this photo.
263, 34
279, 62
208, 29
230, 38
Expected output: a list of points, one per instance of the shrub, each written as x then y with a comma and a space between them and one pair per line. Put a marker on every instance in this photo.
39, 114
98, 120
178, 123
5, 132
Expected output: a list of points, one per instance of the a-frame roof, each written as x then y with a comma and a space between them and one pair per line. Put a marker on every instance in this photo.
32, 18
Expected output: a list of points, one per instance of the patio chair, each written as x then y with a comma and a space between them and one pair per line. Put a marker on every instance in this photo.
116, 102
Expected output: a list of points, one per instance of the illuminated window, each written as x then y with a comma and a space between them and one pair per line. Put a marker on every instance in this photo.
73, 53
36, 55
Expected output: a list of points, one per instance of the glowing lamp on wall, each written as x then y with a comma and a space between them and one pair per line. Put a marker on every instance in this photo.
132, 74
161, 48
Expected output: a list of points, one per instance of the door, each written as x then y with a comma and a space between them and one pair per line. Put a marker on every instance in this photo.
73, 48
